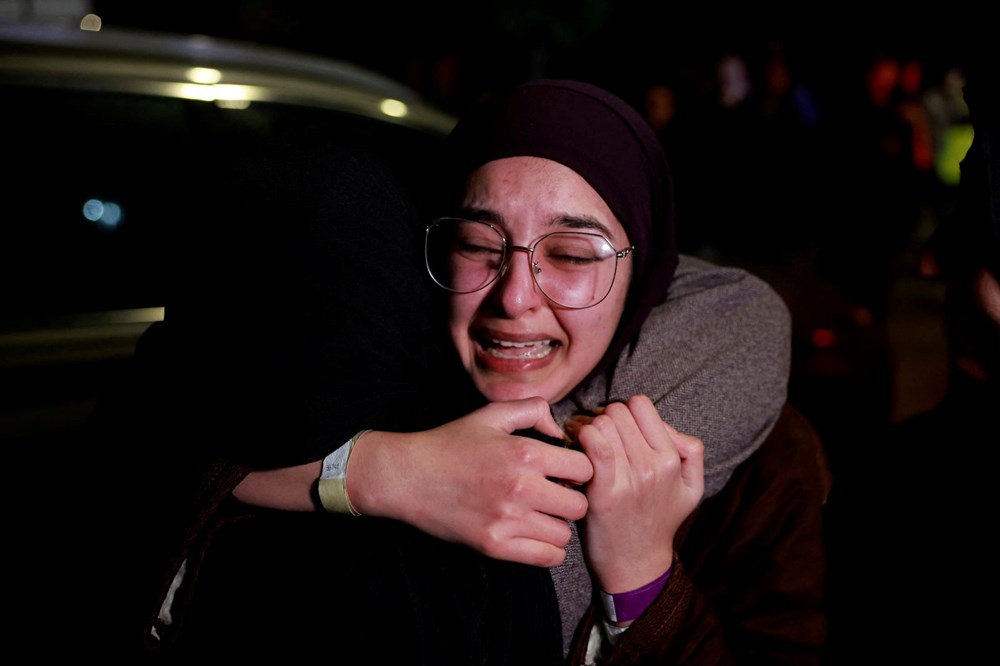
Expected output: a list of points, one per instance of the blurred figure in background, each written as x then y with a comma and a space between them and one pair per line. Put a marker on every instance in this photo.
887, 160
910, 551
951, 132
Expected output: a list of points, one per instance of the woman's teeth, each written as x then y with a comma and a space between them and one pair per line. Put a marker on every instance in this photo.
520, 350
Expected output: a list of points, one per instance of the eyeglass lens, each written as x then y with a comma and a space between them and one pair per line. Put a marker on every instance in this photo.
573, 269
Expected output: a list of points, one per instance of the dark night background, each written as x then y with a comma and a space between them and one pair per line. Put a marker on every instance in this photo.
622, 44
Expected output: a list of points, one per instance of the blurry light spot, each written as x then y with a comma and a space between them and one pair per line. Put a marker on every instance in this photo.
231, 92
105, 213
394, 108
862, 316
196, 91
204, 75
823, 337
112, 214
93, 209
910, 77
661, 106
883, 76
734, 80
91, 22
216, 92
956, 143
233, 103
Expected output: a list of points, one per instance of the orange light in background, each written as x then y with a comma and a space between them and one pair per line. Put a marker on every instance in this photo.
862, 316
883, 76
823, 337
911, 77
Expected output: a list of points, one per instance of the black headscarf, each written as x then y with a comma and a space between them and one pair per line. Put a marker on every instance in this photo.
604, 140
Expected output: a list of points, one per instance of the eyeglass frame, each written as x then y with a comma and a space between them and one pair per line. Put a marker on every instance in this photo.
529, 249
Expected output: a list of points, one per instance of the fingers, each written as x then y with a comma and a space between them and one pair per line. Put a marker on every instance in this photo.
641, 428
639, 423
633, 429
535, 553
568, 465
533, 413
564, 502
692, 453
650, 423
632, 439
536, 538
527, 413
540, 537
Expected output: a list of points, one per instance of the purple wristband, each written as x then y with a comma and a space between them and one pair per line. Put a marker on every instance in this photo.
627, 606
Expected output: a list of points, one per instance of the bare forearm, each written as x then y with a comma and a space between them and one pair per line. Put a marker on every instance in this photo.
287, 488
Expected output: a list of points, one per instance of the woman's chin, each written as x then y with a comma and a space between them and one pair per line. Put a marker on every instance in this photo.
499, 389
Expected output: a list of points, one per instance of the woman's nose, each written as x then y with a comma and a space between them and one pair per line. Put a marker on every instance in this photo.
516, 291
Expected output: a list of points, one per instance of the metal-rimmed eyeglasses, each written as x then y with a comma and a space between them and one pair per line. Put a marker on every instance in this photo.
573, 269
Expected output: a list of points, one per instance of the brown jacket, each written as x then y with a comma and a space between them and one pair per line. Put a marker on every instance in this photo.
748, 580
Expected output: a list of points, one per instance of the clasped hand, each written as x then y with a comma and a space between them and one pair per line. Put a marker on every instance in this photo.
471, 481
648, 478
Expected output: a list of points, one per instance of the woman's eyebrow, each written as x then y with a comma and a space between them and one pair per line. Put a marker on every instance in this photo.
585, 223
575, 222
481, 215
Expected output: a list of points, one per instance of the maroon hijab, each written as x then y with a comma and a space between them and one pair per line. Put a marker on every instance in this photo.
604, 140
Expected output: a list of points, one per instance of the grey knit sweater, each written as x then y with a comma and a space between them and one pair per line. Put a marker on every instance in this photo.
715, 359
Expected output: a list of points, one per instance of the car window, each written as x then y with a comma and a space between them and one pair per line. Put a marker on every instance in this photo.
94, 178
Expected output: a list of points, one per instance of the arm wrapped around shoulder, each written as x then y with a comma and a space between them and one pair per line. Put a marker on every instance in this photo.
714, 358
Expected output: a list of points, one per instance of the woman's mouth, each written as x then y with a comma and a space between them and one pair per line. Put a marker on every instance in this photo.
527, 350
509, 365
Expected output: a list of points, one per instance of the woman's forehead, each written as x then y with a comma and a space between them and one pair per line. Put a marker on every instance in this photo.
539, 193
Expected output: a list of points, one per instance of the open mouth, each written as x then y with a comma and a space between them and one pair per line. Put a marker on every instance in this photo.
506, 349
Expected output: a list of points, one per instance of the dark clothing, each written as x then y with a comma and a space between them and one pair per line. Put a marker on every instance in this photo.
301, 310
911, 551
746, 588
299, 315
303, 586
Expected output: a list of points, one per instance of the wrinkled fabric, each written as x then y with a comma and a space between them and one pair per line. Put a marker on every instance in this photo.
714, 359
